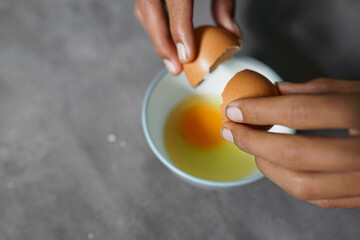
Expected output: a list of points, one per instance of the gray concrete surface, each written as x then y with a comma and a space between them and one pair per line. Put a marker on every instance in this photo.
72, 72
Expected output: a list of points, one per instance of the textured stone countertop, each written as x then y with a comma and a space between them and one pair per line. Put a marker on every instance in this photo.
74, 163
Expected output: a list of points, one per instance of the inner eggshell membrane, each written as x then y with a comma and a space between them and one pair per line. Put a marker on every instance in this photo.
214, 45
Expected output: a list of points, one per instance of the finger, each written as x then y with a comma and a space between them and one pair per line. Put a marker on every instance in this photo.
310, 185
153, 17
295, 152
223, 13
299, 111
182, 30
137, 12
352, 202
320, 85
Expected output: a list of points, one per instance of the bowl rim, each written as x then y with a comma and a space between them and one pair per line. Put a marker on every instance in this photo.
167, 163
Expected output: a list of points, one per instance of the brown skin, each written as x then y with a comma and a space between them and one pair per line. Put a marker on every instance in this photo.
324, 171
321, 170
168, 29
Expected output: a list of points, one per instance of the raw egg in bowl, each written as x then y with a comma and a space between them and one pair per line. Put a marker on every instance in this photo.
182, 116
182, 126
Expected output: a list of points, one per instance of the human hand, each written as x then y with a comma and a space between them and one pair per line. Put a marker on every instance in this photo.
172, 31
324, 171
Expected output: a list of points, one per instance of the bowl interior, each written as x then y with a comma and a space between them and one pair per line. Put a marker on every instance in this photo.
166, 91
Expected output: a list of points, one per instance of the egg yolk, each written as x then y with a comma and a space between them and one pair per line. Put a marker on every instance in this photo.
200, 126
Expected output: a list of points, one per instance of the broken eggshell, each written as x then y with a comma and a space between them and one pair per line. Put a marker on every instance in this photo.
246, 84
214, 45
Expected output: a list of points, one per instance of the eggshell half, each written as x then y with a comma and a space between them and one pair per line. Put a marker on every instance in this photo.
246, 84
214, 45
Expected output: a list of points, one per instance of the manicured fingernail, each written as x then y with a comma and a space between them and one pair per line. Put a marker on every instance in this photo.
227, 135
182, 53
238, 32
170, 66
234, 114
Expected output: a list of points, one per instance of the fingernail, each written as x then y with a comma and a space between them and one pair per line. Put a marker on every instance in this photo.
234, 114
182, 53
227, 135
238, 32
170, 66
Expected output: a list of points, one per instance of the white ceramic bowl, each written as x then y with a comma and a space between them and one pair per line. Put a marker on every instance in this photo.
166, 91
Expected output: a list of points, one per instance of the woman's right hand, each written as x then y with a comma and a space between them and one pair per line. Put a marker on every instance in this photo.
172, 30
322, 170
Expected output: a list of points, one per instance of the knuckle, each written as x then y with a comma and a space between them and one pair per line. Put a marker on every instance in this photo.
300, 188
321, 84
137, 12
141, 9
175, 31
298, 113
243, 141
179, 25
252, 112
145, 5
325, 203
260, 164
177, 28
320, 81
291, 157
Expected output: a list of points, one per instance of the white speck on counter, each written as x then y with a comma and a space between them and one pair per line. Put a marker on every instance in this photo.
111, 138
11, 185
120, 222
91, 235
123, 143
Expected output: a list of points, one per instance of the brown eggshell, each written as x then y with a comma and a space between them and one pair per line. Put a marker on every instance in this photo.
246, 84
214, 45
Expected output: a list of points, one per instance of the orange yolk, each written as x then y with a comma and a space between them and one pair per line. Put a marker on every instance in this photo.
200, 126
